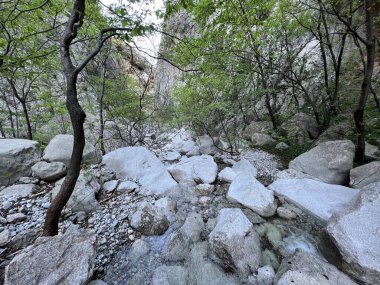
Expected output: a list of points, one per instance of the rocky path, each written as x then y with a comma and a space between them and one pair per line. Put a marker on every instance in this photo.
188, 214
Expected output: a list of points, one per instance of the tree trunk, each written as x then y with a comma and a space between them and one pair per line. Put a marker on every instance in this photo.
366, 84
77, 116
27, 120
101, 115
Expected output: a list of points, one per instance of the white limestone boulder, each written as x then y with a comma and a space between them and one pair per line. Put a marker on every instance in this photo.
60, 149
249, 192
329, 162
356, 233
140, 165
235, 243
318, 199
201, 169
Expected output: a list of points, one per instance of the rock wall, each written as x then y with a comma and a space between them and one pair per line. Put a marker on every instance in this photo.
176, 27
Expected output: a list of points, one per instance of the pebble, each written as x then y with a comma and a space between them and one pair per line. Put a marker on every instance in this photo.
286, 213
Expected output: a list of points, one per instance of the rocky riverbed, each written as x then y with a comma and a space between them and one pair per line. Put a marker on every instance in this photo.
186, 213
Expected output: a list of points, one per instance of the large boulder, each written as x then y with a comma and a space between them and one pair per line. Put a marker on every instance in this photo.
301, 126
234, 242
318, 199
341, 131
372, 152
249, 192
303, 268
149, 220
208, 145
178, 245
263, 127
16, 159
204, 271
83, 198
49, 171
330, 162
365, 174
201, 169
169, 275
64, 259
60, 149
356, 233
141, 165
259, 140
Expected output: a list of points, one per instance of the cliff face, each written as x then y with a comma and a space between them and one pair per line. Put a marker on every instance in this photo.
176, 26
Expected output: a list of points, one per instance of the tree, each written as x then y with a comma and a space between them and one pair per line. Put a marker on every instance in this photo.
77, 114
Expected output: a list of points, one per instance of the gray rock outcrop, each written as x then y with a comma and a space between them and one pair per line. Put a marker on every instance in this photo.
64, 259
178, 245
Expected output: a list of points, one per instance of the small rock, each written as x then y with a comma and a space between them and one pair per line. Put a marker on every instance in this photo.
204, 189
127, 186
49, 171
286, 213
15, 218
4, 237
110, 186
171, 156
204, 200
265, 275
282, 146
227, 175
149, 220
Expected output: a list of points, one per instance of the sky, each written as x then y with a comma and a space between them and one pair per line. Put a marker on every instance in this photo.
148, 44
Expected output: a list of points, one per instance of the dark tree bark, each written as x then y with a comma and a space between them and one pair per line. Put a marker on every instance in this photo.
101, 108
366, 84
77, 116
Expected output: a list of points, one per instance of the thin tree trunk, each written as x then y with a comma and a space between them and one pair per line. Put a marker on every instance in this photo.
27, 120
77, 116
366, 84
101, 115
